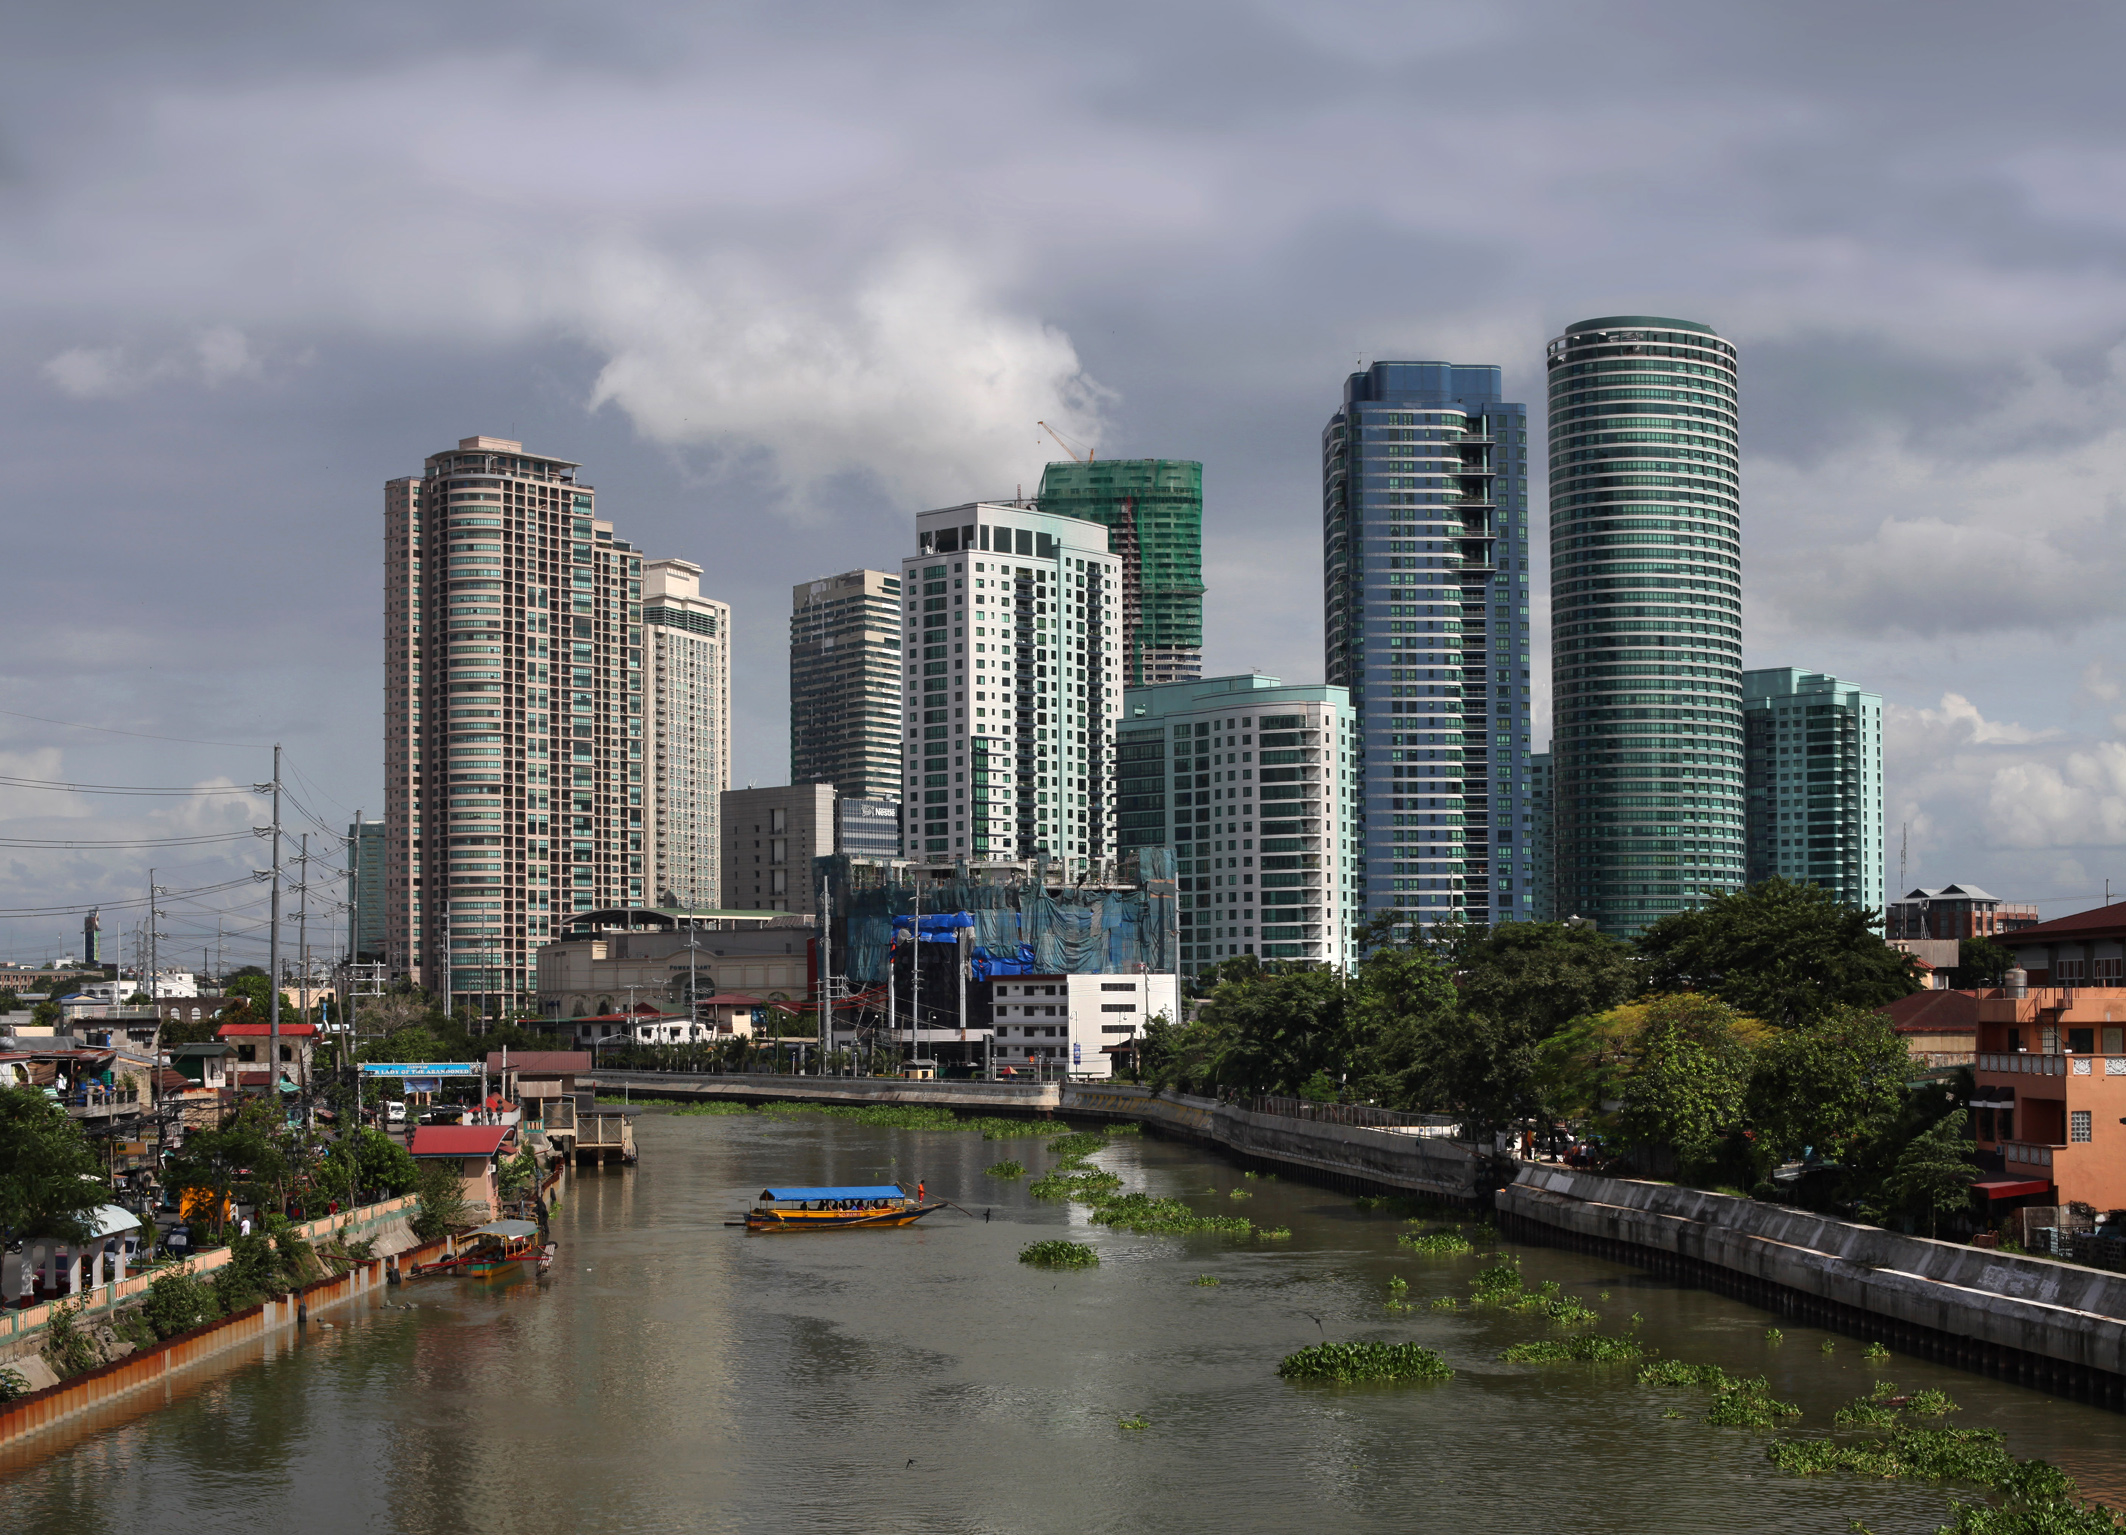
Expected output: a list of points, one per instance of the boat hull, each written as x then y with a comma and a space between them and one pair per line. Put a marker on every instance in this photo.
835, 1220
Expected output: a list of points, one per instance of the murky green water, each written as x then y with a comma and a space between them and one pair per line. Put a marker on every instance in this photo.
677, 1375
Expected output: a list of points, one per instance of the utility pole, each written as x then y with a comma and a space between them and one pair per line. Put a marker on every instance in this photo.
826, 973
273, 951
915, 973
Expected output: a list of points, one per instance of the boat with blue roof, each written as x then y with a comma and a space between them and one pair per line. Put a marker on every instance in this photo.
837, 1208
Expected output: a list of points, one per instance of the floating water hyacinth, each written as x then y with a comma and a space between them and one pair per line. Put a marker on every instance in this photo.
1059, 1255
1006, 1169
1591, 1349
1437, 1244
1349, 1363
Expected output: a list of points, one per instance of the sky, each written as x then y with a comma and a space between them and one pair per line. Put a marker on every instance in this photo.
781, 276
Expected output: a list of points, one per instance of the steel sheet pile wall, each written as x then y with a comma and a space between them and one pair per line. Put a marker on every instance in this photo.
1072, 930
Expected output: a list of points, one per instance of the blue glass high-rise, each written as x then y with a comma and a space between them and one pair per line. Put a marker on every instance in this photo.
1425, 560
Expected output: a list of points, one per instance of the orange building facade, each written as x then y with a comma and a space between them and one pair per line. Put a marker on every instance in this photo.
2050, 1095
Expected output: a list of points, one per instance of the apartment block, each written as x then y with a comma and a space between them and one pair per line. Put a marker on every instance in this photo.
1645, 618
515, 726
1946, 913
770, 837
367, 918
1425, 572
1814, 782
1152, 509
845, 683
687, 648
1013, 657
1534, 875
1253, 784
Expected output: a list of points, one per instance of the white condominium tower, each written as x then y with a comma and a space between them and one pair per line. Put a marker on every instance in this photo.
515, 726
689, 654
1013, 672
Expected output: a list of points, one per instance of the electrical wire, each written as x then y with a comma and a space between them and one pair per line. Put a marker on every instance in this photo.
83, 908
9, 781
54, 842
138, 735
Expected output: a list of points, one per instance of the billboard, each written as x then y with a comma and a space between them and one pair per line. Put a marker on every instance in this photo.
423, 1069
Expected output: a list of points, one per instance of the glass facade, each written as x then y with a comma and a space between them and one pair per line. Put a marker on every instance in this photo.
1253, 784
1152, 509
1646, 618
1425, 564
845, 683
1815, 782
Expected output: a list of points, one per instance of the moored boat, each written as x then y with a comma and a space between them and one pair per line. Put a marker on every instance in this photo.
836, 1209
487, 1250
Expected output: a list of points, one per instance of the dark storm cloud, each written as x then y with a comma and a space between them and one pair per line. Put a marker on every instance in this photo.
781, 275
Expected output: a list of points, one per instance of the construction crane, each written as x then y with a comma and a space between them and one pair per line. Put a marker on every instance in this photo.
1065, 446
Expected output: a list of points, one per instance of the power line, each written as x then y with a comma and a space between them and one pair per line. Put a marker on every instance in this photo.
82, 908
138, 735
12, 782
233, 836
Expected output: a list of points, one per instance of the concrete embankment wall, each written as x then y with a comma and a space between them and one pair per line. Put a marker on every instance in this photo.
1356, 1158
385, 1225
748, 1087
141, 1382
2049, 1325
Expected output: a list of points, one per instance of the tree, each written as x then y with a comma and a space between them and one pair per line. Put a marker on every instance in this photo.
1779, 951
1934, 1173
244, 1160
1540, 975
442, 1203
366, 1159
253, 990
1982, 962
1829, 1086
51, 1181
45, 1014
1273, 1032
1685, 1090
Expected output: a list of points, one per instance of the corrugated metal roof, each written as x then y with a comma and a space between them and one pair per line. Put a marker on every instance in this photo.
458, 1140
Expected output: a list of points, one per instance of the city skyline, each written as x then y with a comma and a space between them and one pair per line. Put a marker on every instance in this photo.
775, 343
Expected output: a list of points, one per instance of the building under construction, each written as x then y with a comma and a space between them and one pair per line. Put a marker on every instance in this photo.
913, 945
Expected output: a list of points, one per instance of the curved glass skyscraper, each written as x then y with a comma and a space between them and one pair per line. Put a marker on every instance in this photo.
1646, 619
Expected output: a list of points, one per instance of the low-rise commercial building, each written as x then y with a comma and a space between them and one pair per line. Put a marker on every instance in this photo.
1073, 1023
581, 979
1951, 912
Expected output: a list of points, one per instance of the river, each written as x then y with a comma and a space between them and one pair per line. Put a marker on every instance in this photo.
676, 1375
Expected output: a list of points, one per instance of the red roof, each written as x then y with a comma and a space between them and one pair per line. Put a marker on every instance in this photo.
459, 1140
1935, 1012
539, 1062
259, 1030
2096, 921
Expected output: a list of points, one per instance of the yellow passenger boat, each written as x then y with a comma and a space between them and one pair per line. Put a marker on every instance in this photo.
835, 1209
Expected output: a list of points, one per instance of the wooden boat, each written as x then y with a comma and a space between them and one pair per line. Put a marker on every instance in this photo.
835, 1209
487, 1250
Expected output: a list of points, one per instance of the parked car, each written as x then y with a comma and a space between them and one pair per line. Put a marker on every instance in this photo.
395, 1111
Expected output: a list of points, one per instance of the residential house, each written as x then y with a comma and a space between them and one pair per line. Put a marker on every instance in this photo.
254, 1040
2050, 1094
478, 1151
1940, 1028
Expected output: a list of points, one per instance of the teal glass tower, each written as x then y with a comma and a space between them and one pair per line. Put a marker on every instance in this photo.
1646, 619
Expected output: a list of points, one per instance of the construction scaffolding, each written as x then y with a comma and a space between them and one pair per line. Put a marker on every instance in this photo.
1153, 511
1021, 918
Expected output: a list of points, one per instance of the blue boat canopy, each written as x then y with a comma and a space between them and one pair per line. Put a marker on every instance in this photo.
853, 1191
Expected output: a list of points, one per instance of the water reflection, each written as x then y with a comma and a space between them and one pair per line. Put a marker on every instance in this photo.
674, 1374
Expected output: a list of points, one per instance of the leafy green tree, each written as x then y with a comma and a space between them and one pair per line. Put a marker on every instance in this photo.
254, 989
1273, 1032
364, 1160
442, 1202
1828, 1087
246, 1160
1541, 975
179, 1301
51, 1180
1401, 1014
1779, 951
1982, 962
1934, 1173
1685, 1091
45, 1015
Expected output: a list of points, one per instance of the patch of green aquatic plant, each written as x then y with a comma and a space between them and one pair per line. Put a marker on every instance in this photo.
717, 1107
1059, 1255
1884, 1407
1828, 1346
1353, 1362
1090, 1184
995, 1128
1139, 1212
1240, 1194
1133, 1421
1437, 1244
1774, 1335
1447, 1303
1206, 1279
1738, 1401
1679, 1372
1502, 1287
1274, 1233
1590, 1349
1875, 1353
1077, 1145
1006, 1169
